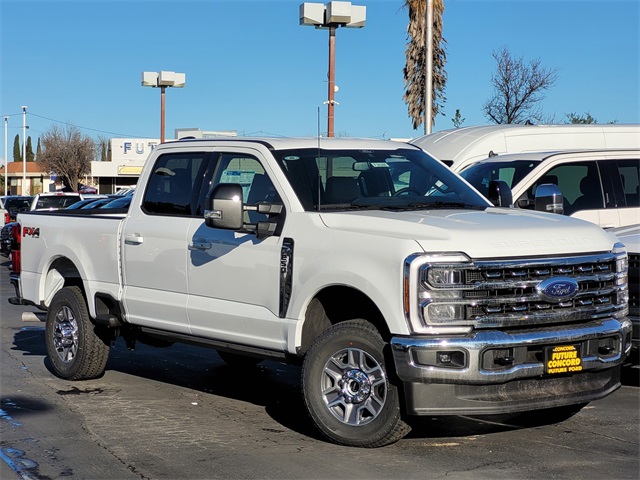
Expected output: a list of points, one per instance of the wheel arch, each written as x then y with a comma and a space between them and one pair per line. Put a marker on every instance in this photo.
334, 304
62, 272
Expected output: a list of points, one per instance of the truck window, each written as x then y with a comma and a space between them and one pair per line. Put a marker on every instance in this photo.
247, 171
171, 184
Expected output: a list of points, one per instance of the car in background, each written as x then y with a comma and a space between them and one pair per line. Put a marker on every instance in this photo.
120, 203
86, 202
11, 205
54, 200
600, 186
630, 236
5, 238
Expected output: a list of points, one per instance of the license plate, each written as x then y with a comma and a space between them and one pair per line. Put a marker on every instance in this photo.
562, 359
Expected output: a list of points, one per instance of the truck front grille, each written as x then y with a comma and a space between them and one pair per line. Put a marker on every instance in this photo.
511, 292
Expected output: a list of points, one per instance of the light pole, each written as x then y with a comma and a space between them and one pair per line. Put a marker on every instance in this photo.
24, 149
6, 164
162, 80
331, 16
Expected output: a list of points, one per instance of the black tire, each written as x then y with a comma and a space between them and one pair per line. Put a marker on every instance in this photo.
345, 368
75, 350
237, 360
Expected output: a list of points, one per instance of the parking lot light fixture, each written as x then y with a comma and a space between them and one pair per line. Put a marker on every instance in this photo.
162, 80
331, 16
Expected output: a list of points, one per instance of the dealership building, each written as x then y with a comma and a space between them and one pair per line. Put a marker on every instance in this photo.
127, 156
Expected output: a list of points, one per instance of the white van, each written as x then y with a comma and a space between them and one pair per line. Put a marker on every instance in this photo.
460, 147
601, 186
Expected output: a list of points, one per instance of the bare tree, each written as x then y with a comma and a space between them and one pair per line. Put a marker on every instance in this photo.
414, 70
68, 153
519, 88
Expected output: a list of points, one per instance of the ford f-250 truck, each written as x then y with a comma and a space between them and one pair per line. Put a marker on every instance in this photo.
399, 289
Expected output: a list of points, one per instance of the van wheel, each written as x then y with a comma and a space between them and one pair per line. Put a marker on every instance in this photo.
74, 348
346, 388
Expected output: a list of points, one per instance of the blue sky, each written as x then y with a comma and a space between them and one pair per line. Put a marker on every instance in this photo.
251, 67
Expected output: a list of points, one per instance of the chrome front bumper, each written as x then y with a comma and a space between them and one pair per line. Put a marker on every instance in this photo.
490, 356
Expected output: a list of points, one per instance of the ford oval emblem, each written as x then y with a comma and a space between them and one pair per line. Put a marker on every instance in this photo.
557, 289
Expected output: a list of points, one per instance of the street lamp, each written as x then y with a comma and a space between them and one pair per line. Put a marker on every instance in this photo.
162, 80
331, 16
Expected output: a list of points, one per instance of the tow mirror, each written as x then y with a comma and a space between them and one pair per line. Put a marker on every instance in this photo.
224, 207
500, 194
549, 199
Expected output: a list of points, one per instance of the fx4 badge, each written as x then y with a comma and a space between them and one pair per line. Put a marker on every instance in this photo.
31, 232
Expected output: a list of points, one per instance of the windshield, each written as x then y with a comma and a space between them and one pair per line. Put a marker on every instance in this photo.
480, 174
373, 179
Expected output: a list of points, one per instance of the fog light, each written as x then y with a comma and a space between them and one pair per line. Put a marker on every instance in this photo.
444, 357
451, 359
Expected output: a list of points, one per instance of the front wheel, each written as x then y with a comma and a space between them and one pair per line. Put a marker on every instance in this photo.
347, 390
74, 348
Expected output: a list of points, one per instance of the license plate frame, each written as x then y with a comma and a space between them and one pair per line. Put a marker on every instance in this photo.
562, 359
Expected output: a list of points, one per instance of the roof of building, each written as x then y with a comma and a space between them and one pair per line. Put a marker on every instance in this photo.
16, 169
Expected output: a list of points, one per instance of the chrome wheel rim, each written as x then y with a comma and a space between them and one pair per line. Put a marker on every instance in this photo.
65, 335
354, 386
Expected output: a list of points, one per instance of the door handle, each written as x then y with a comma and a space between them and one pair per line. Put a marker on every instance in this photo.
200, 245
134, 239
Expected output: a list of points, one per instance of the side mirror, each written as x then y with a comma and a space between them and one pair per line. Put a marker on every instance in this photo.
500, 194
224, 207
549, 199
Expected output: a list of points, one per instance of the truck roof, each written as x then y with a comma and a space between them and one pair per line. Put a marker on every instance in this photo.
285, 143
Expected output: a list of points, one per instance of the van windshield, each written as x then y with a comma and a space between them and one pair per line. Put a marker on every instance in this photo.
480, 174
351, 179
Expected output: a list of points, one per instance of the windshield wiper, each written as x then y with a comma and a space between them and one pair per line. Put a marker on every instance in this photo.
441, 204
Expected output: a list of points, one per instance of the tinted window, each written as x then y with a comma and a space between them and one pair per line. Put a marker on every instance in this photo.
170, 186
629, 172
480, 174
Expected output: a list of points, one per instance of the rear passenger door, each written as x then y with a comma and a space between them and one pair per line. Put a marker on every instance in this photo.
155, 242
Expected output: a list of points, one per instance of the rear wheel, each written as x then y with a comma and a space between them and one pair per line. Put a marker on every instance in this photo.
74, 348
347, 390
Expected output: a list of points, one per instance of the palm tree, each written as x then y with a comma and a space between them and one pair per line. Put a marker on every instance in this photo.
414, 70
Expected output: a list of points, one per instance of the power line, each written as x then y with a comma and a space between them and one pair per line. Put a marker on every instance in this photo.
81, 127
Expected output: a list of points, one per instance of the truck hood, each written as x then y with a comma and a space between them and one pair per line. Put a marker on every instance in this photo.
495, 232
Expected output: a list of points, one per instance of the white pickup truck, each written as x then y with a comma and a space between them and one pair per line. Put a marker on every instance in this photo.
399, 289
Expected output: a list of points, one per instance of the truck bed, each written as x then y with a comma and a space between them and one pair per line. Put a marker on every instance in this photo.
88, 242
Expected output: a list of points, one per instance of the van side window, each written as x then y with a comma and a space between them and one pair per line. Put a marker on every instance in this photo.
579, 183
629, 172
172, 181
